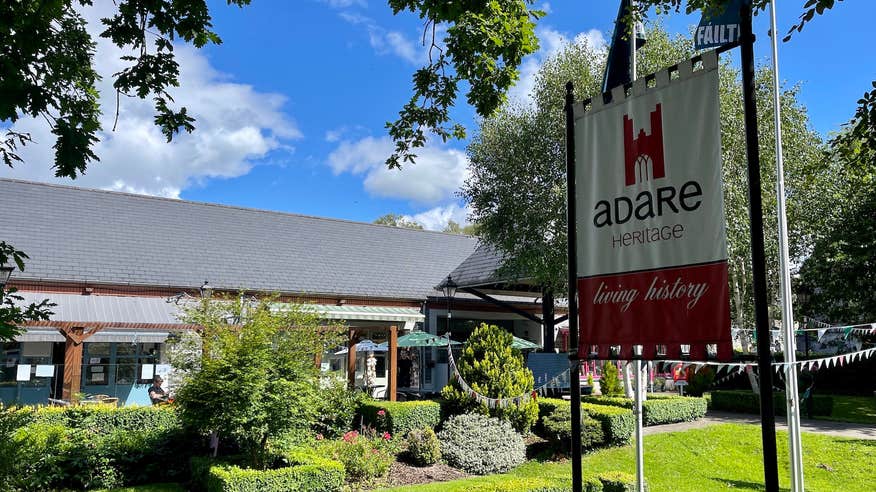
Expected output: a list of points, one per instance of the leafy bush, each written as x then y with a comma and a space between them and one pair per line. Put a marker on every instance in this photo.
698, 382
400, 417
557, 428
365, 458
423, 447
90, 447
616, 482
494, 369
749, 402
481, 445
610, 383
338, 407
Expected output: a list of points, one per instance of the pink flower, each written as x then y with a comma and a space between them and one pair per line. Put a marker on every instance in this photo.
381, 413
319, 437
386, 436
351, 436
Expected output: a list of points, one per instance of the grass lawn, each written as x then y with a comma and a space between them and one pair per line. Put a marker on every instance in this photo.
714, 458
857, 409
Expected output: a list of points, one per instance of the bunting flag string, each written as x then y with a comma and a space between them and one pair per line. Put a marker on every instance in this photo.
808, 364
822, 327
559, 381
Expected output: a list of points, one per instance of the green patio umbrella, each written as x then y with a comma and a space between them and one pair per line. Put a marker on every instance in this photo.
522, 344
419, 338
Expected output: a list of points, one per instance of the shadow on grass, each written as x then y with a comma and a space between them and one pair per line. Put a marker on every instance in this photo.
742, 484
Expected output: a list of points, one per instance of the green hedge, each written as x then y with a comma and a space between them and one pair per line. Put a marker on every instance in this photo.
305, 472
557, 428
48, 449
749, 402
659, 409
98, 418
618, 423
401, 417
671, 410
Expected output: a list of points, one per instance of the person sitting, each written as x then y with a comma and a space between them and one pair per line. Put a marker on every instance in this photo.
156, 392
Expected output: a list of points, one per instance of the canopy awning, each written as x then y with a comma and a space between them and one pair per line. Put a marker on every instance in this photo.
121, 336
368, 313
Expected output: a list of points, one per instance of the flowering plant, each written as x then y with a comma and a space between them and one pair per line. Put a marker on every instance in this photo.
366, 456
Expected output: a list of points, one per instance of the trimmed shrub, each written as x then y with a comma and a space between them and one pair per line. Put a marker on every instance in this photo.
557, 428
400, 417
749, 402
618, 424
493, 368
481, 445
423, 447
617, 482
99, 418
602, 482
659, 409
303, 470
671, 410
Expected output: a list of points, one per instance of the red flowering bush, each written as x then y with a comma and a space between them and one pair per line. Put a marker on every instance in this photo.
366, 457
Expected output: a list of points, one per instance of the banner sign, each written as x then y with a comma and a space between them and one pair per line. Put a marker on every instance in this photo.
720, 28
652, 253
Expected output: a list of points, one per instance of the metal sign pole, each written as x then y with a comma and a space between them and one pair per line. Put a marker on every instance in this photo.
755, 210
574, 368
791, 397
640, 445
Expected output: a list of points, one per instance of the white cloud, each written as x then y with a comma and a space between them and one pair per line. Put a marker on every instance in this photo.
436, 176
236, 124
343, 4
545, 7
436, 219
550, 43
388, 42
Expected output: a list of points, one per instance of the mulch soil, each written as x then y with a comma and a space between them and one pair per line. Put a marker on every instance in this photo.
404, 474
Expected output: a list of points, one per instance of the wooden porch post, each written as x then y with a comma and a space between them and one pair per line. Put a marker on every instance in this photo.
74, 337
351, 360
72, 366
392, 355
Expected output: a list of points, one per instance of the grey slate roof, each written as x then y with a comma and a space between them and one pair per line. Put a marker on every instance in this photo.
77, 234
480, 268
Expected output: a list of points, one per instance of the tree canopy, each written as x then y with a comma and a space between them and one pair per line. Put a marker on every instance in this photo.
396, 220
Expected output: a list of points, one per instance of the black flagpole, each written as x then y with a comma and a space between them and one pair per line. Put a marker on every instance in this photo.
767, 410
574, 368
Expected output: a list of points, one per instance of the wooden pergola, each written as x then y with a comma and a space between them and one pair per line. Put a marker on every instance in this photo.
391, 355
75, 334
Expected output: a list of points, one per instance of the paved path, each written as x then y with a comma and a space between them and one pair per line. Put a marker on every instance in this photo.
842, 429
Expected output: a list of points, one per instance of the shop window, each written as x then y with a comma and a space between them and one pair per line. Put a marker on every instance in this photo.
10, 353
130, 358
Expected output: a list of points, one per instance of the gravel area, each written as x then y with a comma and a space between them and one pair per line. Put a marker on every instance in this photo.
404, 474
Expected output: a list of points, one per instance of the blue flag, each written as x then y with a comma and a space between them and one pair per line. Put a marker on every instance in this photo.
721, 28
617, 68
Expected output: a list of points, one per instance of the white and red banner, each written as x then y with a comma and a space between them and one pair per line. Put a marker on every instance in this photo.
652, 253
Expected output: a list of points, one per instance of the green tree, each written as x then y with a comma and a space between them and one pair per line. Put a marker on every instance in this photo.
491, 367
396, 220
516, 189
257, 379
12, 314
840, 274
453, 227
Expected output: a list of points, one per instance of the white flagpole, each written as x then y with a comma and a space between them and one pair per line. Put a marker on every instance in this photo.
791, 391
640, 445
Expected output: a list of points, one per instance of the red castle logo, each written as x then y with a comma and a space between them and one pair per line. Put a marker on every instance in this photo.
643, 155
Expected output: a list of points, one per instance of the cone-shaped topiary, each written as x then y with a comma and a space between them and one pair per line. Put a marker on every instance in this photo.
494, 369
610, 382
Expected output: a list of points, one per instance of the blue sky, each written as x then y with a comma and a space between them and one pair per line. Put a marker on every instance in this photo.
291, 107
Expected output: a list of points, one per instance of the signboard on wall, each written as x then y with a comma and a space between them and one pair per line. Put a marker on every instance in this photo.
652, 253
